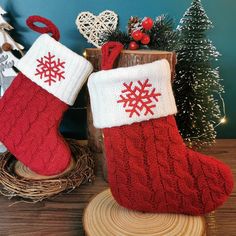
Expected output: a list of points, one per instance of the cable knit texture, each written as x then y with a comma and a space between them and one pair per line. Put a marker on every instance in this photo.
29, 121
151, 170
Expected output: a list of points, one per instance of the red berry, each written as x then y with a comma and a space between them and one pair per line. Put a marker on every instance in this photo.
145, 39
133, 45
147, 23
137, 35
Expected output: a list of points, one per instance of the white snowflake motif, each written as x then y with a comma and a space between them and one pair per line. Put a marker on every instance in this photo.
139, 97
50, 69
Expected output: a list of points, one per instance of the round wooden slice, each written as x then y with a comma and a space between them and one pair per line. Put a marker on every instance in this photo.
104, 217
24, 172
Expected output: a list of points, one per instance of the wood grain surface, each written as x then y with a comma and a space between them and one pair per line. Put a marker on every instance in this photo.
105, 217
62, 216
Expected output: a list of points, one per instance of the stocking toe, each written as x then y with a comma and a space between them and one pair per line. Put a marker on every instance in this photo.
213, 180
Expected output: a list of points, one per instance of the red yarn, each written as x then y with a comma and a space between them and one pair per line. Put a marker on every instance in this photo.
50, 27
29, 121
151, 170
110, 52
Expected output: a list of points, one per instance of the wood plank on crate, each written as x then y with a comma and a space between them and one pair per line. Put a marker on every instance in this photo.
62, 215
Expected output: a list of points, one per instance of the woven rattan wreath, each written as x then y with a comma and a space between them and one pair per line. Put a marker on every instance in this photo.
13, 185
92, 27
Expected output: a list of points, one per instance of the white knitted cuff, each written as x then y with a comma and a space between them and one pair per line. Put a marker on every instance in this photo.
55, 68
126, 95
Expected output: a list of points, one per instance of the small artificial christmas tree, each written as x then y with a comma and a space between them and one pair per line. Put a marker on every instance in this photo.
7, 59
197, 80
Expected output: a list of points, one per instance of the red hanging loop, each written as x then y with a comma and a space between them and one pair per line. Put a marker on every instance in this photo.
110, 51
49, 26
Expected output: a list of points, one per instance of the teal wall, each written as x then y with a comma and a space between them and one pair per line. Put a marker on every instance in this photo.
64, 12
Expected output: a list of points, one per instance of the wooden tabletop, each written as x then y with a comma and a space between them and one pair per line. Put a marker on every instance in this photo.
62, 216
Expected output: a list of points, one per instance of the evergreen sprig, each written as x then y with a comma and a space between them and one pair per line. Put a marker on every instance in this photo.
117, 36
163, 35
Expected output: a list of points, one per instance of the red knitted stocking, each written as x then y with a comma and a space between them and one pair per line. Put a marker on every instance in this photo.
32, 108
149, 167
151, 170
29, 122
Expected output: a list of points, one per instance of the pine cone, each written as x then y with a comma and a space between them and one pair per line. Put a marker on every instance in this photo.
134, 23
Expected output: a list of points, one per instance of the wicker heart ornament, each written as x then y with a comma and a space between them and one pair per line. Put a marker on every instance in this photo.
92, 27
